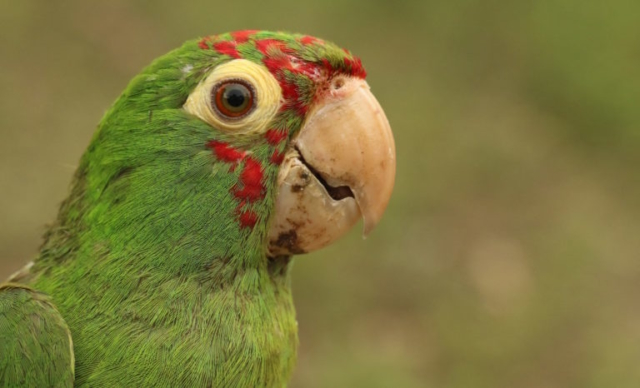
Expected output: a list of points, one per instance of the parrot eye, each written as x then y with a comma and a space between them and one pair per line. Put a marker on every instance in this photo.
239, 96
233, 99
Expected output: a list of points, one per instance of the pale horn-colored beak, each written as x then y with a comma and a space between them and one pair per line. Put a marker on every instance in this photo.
341, 167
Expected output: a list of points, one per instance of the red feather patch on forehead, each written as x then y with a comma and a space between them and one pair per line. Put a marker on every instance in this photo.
275, 50
227, 48
284, 57
243, 36
272, 46
306, 40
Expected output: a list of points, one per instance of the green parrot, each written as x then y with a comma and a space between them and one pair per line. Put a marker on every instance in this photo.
169, 262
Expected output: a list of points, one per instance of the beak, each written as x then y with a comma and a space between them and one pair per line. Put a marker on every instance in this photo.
340, 168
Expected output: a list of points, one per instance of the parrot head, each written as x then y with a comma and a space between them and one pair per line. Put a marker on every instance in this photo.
260, 140
169, 259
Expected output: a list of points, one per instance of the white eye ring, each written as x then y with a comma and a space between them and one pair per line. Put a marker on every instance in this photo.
267, 97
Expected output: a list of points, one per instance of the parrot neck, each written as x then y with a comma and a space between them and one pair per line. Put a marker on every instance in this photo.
155, 264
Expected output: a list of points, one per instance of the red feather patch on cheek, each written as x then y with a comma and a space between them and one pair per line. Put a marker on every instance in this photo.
277, 157
248, 219
224, 152
250, 187
251, 180
274, 136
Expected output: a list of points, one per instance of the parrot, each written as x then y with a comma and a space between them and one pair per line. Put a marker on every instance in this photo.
169, 262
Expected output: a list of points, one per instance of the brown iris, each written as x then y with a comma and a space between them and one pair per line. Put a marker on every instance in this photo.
233, 99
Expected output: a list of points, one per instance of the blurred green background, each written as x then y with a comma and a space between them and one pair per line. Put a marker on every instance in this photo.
509, 254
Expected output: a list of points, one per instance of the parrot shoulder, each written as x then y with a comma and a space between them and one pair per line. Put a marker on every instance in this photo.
36, 349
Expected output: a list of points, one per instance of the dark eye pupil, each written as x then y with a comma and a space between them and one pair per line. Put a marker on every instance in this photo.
235, 97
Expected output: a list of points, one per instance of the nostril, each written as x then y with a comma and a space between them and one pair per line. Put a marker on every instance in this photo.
338, 83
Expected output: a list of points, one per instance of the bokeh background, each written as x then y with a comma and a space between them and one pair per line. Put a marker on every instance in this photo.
509, 255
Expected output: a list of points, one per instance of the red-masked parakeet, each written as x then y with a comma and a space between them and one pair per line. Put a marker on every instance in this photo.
169, 262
